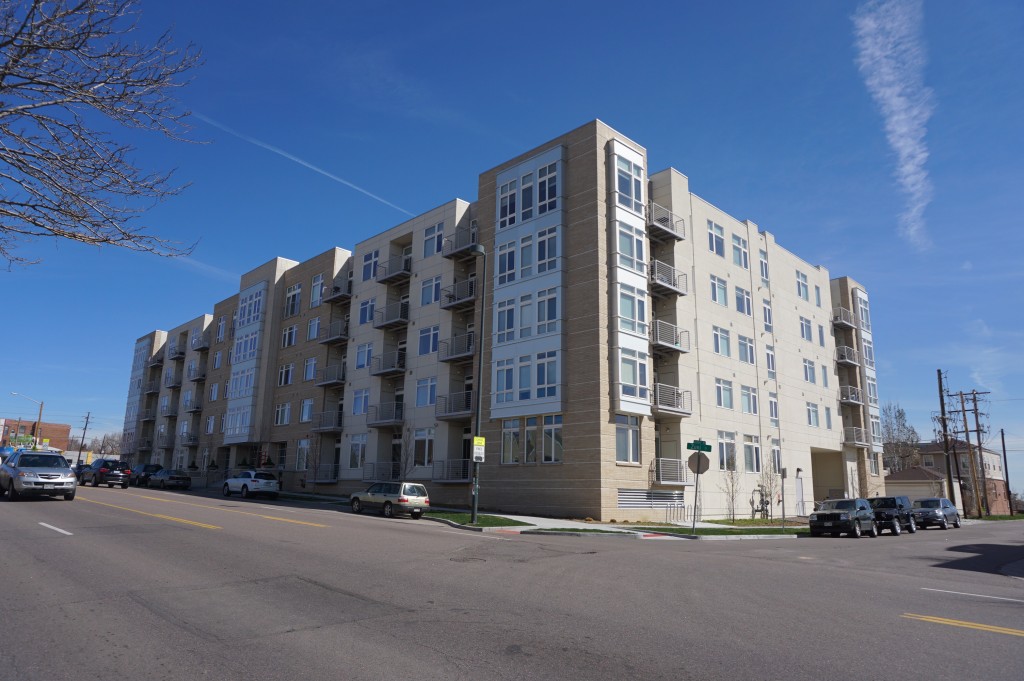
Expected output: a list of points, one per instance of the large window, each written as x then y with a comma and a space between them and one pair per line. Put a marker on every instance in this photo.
285, 374
507, 204
364, 353
720, 338
748, 399
716, 239
769, 360
313, 329
360, 401
357, 451
282, 414
370, 264
246, 346
726, 451
631, 247
250, 310
316, 290
525, 367
510, 447
810, 375
547, 188
507, 263
428, 339
306, 410
633, 373
764, 267
719, 291
527, 315
801, 285
430, 290
630, 185
547, 374
506, 320
872, 391
423, 446
869, 354
723, 393
766, 310
504, 381
289, 336
752, 453
746, 346
632, 309
627, 439
309, 369
547, 250
433, 237
551, 442
773, 409
526, 257
740, 256
366, 311
530, 444
426, 392
293, 300
526, 197
547, 310
812, 414
743, 304
805, 329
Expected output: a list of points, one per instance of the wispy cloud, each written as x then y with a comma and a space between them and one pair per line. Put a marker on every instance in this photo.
296, 159
891, 56
206, 268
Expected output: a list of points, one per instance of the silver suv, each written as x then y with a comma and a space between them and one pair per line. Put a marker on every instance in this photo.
33, 473
937, 511
392, 498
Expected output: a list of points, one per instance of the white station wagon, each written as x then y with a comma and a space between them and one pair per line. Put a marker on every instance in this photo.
249, 483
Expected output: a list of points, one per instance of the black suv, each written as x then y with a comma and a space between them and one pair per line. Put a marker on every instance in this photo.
836, 516
894, 514
107, 472
141, 472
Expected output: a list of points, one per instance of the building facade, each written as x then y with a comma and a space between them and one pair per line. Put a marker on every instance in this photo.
606, 315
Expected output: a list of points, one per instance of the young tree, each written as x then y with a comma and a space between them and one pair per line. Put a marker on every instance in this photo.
771, 482
899, 439
730, 482
68, 70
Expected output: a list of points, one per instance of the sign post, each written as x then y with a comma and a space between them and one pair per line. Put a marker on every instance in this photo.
783, 499
698, 463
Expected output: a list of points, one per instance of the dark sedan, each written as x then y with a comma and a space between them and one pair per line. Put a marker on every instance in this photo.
167, 478
141, 472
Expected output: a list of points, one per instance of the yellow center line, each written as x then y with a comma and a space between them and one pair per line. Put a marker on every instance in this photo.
967, 625
155, 515
232, 510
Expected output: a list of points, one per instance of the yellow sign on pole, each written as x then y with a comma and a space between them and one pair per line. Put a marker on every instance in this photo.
479, 444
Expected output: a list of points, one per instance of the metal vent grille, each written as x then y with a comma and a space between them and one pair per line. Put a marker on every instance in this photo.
648, 498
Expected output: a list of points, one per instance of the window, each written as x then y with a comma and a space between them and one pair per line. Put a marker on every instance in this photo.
766, 311
863, 312
632, 310
306, 410
726, 451
364, 353
764, 267
428, 340
547, 310
752, 453
357, 451
507, 204
719, 291
547, 250
360, 401
426, 392
370, 264
627, 439
366, 311
810, 375
633, 373
510, 441
748, 399
526, 257
824, 375
869, 354
720, 338
433, 237
530, 440
430, 291
817, 295
773, 409
241, 383
723, 393
873, 463
547, 374
526, 316
872, 391
630, 185
801, 285
214, 389
746, 350
316, 290
743, 301
828, 417
282, 414
217, 359
631, 248
739, 252
301, 454
821, 335
551, 442
221, 323
284, 374
211, 422
507, 263
309, 369
293, 300
289, 336
812, 414
716, 239
423, 446
313, 329
503, 381
547, 188
525, 377
250, 310
805, 329
526, 196
506, 321
876, 430
246, 346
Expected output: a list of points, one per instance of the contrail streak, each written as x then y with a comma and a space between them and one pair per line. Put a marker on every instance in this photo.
296, 159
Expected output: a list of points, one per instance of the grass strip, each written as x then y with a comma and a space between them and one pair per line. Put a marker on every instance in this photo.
721, 531
481, 520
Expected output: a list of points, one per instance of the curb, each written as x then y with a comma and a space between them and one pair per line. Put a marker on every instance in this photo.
570, 533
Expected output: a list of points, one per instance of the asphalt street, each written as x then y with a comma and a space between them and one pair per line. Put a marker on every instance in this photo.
147, 584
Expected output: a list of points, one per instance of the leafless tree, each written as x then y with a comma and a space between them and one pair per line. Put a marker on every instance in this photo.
899, 439
68, 69
771, 483
407, 458
108, 443
730, 483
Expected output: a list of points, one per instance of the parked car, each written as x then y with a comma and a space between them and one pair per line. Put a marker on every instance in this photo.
937, 511
29, 473
392, 498
836, 516
167, 478
249, 483
107, 472
894, 514
141, 472
77, 469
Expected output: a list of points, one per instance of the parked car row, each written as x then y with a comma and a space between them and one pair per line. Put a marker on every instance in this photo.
855, 517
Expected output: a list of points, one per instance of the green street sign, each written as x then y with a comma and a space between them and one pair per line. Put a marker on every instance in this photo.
698, 446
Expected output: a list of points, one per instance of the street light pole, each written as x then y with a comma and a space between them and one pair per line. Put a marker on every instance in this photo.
478, 251
39, 420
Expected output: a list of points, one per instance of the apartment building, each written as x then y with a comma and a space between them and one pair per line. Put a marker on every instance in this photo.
622, 317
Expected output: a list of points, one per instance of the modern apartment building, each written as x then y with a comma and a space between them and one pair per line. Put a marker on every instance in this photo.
607, 316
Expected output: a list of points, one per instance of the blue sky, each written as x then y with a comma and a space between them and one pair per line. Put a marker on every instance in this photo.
898, 172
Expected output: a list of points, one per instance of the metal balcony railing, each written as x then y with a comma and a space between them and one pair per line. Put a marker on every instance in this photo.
335, 332
169, 410
458, 295
393, 314
196, 374
666, 280
172, 379
843, 317
458, 244
157, 359
175, 351
147, 415
190, 440
850, 394
331, 375
669, 399
855, 436
392, 362
340, 291
327, 421
385, 414
665, 224
165, 442
454, 405
457, 347
456, 470
194, 405
395, 268
665, 336
201, 341
145, 444
381, 471
152, 387
847, 355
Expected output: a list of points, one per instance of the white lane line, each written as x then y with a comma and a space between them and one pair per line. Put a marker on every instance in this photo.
961, 593
56, 529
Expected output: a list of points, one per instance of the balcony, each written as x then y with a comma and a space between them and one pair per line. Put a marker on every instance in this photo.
664, 225
668, 400
666, 280
327, 422
394, 269
454, 407
331, 376
172, 379
856, 436
381, 470
672, 472
197, 374
151, 387
147, 415
165, 442
175, 352
169, 410
395, 314
458, 296
456, 348
201, 341
847, 355
385, 414
157, 359
456, 470
668, 338
335, 333
340, 292
849, 394
145, 444
194, 405
190, 440
388, 363
843, 318
459, 244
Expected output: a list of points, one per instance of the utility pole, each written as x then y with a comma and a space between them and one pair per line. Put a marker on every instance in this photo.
981, 453
81, 443
945, 438
1006, 470
970, 455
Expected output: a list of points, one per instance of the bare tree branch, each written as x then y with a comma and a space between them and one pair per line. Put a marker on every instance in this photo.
67, 69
